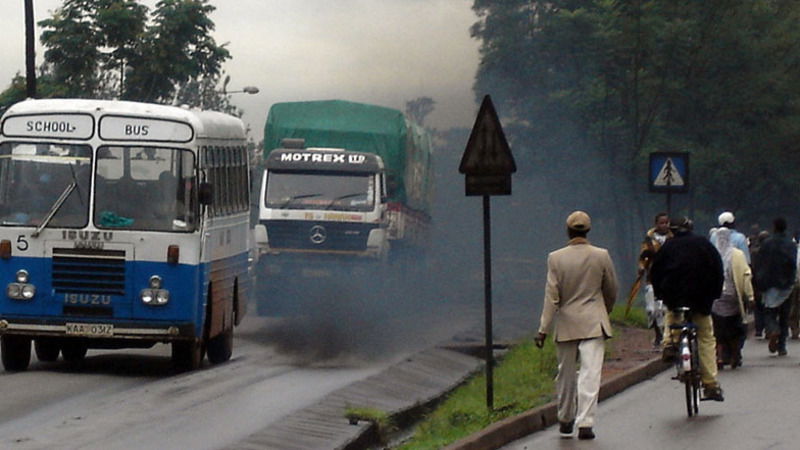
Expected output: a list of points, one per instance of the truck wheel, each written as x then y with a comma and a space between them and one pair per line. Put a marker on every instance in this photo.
187, 355
47, 349
220, 347
73, 351
16, 352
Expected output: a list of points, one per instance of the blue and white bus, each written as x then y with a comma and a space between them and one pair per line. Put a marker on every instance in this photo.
122, 225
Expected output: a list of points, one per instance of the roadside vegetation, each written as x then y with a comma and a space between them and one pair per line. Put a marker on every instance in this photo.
523, 379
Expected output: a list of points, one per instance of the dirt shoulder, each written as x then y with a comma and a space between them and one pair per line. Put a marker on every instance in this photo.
630, 347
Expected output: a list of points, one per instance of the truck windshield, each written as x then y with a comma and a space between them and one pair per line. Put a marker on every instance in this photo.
145, 188
325, 191
34, 175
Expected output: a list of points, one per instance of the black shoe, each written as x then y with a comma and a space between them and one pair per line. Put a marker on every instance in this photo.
713, 393
585, 433
773, 342
669, 354
565, 429
782, 352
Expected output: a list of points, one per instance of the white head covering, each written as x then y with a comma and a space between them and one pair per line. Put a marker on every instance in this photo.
724, 246
726, 217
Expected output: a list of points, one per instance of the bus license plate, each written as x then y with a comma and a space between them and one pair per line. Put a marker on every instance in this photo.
90, 329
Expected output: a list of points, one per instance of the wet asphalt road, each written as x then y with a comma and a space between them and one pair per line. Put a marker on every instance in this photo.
759, 411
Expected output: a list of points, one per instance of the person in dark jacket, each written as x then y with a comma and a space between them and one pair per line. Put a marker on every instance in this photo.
687, 272
775, 276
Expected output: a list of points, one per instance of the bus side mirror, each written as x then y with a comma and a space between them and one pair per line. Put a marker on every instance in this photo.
206, 194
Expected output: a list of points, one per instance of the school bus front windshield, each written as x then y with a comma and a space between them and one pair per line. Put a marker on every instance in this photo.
34, 176
145, 188
136, 188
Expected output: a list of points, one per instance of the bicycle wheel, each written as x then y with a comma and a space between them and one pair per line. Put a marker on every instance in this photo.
695, 373
689, 387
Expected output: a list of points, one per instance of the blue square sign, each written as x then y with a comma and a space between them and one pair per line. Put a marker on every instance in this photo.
669, 172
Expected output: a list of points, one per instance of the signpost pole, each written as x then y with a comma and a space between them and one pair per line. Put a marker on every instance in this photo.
488, 164
487, 275
669, 198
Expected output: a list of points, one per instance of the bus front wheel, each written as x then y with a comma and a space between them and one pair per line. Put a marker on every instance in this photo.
16, 352
220, 347
187, 355
73, 350
47, 349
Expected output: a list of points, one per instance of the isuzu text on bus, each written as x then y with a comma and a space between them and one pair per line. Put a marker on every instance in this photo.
122, 224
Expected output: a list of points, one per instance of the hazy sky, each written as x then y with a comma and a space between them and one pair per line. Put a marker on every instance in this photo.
376, 51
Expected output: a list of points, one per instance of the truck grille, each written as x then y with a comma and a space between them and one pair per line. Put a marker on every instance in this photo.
89, 271
338, 236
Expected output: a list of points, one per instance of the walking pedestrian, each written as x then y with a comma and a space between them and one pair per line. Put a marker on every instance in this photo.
794, 300
739, 240
775, 276
580, 293
758, 304
687, 272
728, 311
653, 240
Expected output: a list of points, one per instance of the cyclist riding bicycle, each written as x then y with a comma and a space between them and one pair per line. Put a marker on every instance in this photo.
687, 272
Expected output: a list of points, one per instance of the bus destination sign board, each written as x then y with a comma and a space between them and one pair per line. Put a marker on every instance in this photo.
123, 128
62, 126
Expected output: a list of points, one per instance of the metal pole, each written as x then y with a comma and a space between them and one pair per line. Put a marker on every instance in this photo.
30, 52
487, 275
669, 204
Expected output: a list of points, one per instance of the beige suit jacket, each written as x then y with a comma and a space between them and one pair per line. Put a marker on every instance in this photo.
581, 291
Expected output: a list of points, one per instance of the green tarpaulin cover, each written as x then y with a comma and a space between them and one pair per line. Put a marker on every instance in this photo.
404, 147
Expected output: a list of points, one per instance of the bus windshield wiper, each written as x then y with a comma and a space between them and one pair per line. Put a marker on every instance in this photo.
54, 209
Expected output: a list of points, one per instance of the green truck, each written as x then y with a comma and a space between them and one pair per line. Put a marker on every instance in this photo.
344, 185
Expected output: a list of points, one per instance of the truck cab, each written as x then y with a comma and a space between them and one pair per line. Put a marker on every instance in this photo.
325, 202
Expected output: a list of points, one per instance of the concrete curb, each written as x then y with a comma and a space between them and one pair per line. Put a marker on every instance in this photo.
536, 419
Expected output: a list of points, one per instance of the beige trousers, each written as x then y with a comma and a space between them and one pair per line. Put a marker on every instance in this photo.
578, 390
706, 343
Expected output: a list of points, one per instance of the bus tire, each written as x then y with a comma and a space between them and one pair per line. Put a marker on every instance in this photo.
47, 349
73, 350
187, 355
220, 347
16, 352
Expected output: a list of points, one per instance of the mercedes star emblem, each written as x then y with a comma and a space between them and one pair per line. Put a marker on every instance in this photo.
318, 234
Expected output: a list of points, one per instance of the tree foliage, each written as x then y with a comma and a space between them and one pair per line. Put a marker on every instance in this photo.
116, 49
592, 87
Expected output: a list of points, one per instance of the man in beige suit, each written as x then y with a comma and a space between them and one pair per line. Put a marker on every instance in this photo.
581, 291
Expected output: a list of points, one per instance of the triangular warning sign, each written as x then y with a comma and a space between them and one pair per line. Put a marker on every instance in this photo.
668, 175
487, 151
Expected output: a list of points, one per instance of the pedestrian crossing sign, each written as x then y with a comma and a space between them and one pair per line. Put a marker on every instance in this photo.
669, 171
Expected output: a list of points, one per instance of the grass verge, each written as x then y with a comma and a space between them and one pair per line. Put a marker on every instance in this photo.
523, 379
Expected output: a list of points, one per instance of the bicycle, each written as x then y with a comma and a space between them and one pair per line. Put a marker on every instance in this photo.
687, 360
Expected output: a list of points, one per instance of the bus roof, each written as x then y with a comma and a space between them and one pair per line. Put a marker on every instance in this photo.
205, 123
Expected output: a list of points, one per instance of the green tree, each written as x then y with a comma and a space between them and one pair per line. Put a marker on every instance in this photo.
592, 87
177, 49
419, 108
107, 49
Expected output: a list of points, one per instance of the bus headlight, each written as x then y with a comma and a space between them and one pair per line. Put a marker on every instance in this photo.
22, 276
154, 295
28, 291
20, 291
14, 290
